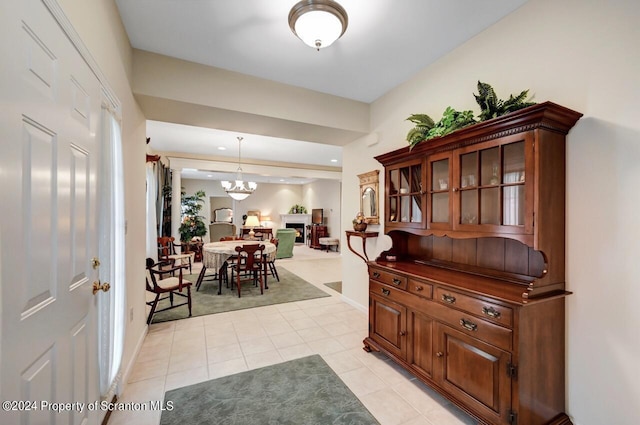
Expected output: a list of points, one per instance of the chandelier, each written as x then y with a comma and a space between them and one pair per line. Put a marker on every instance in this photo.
318, 23
239, 191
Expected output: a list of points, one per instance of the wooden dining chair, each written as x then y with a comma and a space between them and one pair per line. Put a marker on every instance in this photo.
271, 260
249, 264
166, 287
167, 251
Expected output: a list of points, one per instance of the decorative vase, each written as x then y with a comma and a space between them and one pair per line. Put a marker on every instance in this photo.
360, 227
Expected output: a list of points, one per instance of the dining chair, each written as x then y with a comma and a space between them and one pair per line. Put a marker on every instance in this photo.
271, 260
167, 251
249, 263
166, 288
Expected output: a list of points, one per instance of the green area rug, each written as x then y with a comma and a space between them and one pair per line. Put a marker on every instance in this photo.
336, 286
207, 301
298, 392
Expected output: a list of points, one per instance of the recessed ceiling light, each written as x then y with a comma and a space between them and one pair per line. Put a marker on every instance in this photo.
209, 175
222, 148
334, 160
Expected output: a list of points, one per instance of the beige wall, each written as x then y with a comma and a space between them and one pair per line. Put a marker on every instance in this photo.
325, 194
98, 24
583, 55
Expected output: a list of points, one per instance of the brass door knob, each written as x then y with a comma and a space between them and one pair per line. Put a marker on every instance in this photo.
97, 286
439, 354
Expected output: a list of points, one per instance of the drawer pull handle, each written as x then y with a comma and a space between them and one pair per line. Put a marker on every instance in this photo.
468, 324
419, 288
376, 275
385, 291
403, 333
396, 281
448, 299
491, 312
439, 354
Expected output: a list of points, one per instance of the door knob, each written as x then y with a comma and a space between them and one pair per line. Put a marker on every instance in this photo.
97, 286
439, 354
95, 263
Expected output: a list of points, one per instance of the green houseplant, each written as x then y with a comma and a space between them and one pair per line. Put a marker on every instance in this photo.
192, 222
297, 209
490, 107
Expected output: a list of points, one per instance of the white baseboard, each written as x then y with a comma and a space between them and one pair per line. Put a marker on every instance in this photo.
354, 304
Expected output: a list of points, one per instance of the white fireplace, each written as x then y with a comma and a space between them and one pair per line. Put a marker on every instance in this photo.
303, 220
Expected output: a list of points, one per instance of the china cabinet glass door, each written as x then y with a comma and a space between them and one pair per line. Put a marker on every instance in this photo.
491, 185
439, 183
405, 195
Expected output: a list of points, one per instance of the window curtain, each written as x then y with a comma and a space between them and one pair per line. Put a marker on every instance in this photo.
112, 306
152, 218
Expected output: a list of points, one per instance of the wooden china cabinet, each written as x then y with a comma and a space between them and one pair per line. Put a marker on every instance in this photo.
472, 297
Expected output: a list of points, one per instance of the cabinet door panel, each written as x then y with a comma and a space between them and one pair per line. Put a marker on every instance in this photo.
474, 372
440, 200
387, 323
420, 344
404, 194
491, 190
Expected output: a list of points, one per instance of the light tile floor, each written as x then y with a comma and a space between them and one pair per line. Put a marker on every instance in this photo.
197, 349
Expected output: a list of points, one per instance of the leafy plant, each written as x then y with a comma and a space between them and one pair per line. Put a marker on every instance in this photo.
192, 223
417, 134
492, 107
297, 209
426, 129
451, 121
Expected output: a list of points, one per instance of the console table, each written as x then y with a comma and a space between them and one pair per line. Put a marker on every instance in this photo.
267, 232
364, 235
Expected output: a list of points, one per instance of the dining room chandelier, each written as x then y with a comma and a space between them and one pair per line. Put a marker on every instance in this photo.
318, 23
239, 191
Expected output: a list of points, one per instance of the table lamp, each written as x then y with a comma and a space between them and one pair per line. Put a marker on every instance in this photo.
252, 221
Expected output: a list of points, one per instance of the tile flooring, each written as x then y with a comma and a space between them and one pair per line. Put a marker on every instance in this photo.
188, 351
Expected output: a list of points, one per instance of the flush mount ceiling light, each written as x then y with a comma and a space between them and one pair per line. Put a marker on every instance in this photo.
318, 23
239, 191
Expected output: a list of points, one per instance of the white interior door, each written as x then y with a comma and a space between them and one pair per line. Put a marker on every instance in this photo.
49, 127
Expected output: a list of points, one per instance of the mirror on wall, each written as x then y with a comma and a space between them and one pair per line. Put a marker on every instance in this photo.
369, 196
223, 215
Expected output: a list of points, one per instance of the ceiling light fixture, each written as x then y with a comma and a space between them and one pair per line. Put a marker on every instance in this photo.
318, 23
239, 191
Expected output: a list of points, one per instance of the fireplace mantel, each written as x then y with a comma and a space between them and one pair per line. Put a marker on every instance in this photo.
295, 218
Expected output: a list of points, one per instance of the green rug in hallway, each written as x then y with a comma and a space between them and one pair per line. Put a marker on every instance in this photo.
336, 286
207, 301
298, 392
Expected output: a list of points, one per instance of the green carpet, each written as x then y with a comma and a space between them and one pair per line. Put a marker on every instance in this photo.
207, 301
336, 286
298, 392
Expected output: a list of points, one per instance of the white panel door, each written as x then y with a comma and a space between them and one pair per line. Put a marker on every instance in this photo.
49, 122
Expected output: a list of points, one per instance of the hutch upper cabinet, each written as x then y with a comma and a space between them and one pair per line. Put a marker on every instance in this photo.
470, 297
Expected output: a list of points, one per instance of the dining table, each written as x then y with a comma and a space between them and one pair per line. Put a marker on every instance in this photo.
216, 254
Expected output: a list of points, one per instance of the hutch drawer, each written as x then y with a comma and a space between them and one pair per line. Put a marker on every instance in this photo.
420, 287
478, 307
391, 279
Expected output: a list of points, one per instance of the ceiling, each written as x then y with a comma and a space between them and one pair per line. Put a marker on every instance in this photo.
385, 44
